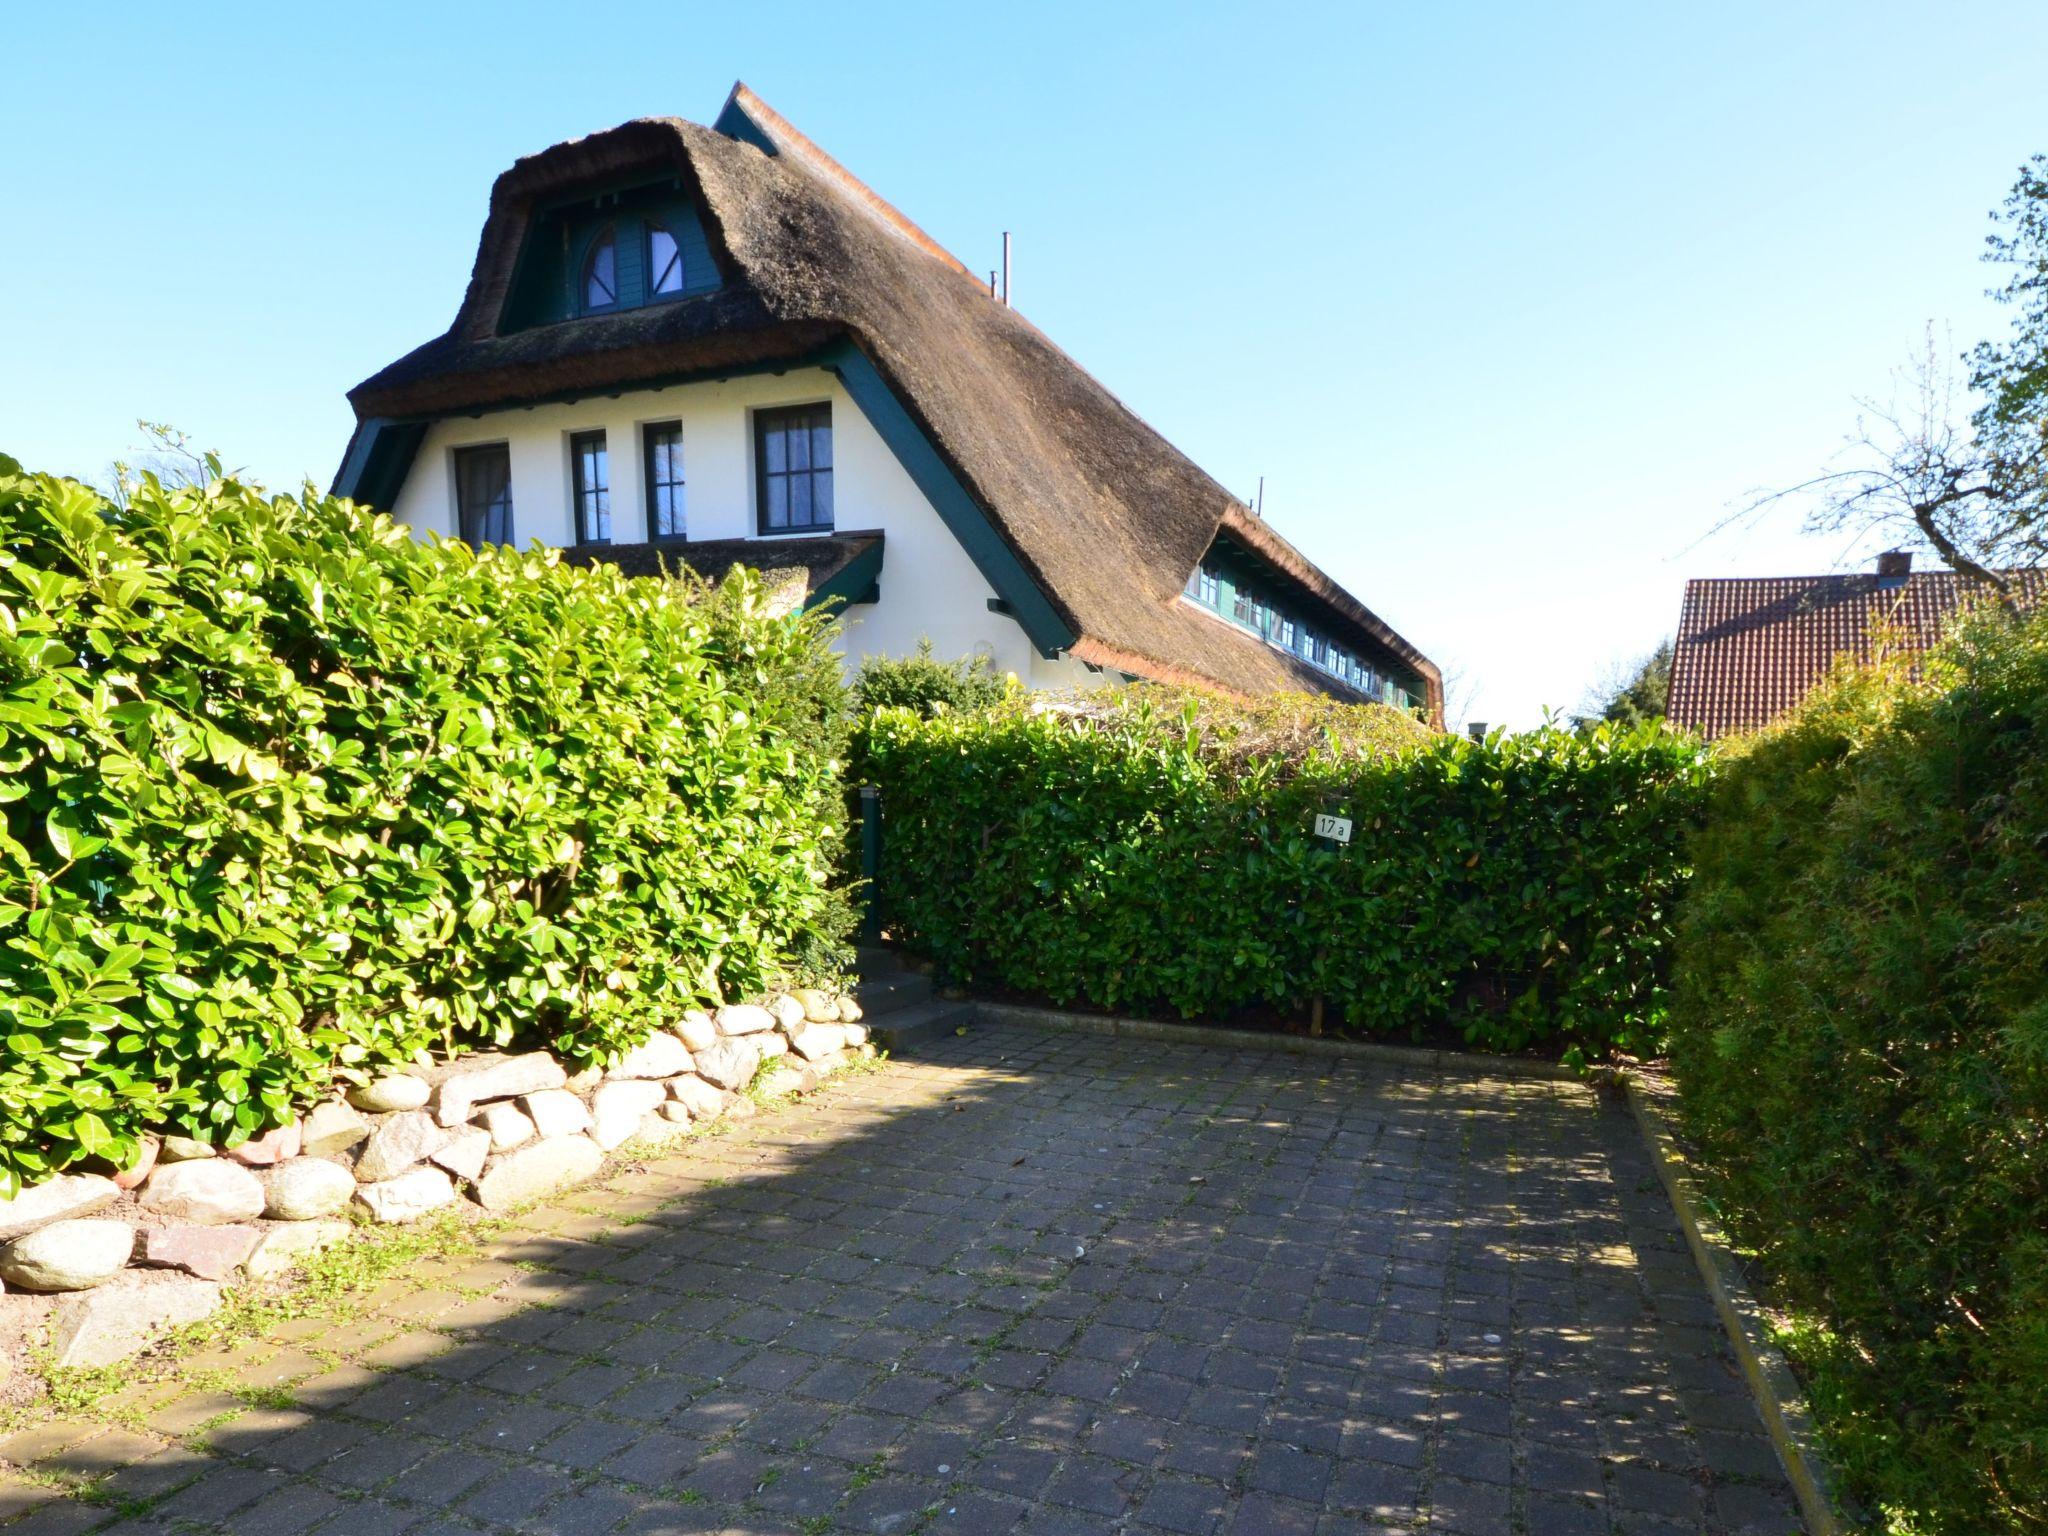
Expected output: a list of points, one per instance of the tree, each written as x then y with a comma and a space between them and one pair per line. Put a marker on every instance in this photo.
1632, 693
2012, 377
1959, 464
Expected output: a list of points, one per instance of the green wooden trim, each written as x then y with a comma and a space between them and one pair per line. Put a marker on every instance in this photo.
858, 581
961, 513
734, 123
379, 457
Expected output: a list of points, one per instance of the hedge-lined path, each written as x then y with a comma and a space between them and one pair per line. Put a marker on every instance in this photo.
1029, 1282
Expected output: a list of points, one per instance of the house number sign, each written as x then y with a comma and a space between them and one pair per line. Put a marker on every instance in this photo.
1336, 828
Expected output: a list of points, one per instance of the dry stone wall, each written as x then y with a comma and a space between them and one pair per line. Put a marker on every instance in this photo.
115, 1259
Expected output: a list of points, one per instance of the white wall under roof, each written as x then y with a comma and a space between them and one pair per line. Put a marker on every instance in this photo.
929, 586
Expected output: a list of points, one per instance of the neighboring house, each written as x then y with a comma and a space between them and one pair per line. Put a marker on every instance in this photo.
1750, 648
711, 345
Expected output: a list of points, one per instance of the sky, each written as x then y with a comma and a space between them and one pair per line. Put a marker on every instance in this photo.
1510, 305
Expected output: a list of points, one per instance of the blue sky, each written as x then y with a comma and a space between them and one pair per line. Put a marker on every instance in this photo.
1508, 303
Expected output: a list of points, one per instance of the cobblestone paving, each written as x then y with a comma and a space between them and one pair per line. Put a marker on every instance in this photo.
1030, 1283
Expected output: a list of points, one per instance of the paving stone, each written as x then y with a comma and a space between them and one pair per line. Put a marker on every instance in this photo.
882, 1285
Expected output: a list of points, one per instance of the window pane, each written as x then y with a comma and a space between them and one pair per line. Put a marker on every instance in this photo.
778, 501
821, 440
601, 282
483, 494
799, 500
774, 440
799, 446
821, 499
665, 261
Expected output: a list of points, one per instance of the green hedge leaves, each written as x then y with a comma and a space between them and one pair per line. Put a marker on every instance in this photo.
287, 792
1861, 1036
1518, 888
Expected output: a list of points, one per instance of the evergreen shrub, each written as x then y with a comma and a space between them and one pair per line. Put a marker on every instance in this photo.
289, 793
1137, 855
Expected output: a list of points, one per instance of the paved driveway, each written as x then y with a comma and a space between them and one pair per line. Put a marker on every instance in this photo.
1030, 1282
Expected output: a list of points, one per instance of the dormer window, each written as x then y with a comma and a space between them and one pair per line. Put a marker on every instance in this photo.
664, 261
601, 273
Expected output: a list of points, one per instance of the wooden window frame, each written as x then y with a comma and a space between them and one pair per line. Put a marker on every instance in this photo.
649, 431
580, 490
468, 453
770, 418
607, 234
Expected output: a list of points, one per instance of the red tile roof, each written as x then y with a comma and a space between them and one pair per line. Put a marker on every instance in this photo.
1750, 648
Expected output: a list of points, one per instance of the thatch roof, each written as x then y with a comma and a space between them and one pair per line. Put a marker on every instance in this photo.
1104, 514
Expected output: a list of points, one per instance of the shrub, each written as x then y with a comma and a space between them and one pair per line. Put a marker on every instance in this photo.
1518, 888
926, 685
1861, 1037
288, 793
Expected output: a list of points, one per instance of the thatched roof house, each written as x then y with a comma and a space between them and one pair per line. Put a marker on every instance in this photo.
1082, 541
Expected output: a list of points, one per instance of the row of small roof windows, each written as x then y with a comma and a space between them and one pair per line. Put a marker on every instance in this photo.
1211, 588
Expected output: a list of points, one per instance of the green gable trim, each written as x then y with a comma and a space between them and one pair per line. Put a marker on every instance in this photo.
735, 124
858, 581
958, 510
379, 457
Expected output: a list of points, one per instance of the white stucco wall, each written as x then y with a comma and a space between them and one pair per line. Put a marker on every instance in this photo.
929, 586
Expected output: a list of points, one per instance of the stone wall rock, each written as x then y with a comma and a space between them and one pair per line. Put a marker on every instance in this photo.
556, 1112
660, 1055
392, 1092
537, 1169
617, 1109
274, 1146
816, 1041
112, 1322
211, 1193
818, 1006
306, 1189
408, 1197
145, 1162
397, 1143
743, 1019
285, 1248
331, 1128
73, 1255
698, 1098
789, 1013
67, 1196
696, 1030
464, 1152
509, 1126
469, 1084
184, 1149
729, 1064
210, 1253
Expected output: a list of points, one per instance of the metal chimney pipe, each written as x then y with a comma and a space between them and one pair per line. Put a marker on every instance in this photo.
1006, 269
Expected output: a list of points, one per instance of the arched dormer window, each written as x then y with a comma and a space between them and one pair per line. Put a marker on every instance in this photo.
664, 261
601, 273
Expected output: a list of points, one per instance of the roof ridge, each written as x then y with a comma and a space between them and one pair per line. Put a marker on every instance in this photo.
787, 136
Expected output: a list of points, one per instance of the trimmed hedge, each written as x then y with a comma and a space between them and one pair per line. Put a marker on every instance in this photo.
1519, 889
1861, 1037
288, 792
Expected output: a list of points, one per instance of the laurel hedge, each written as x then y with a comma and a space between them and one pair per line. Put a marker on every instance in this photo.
1519, 889
1861, 1038
288, 793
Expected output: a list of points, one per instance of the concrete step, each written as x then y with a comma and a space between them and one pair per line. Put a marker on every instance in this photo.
906, 1028
891, 990
876, 960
